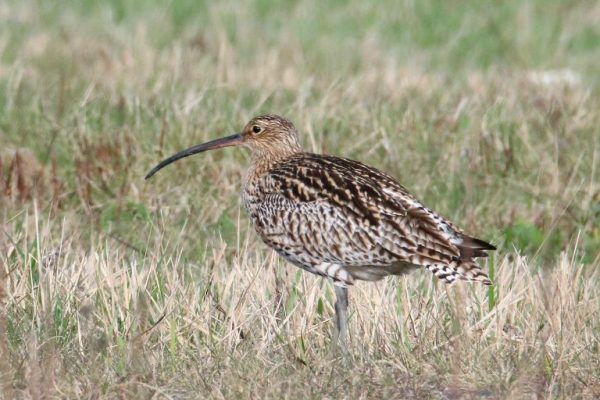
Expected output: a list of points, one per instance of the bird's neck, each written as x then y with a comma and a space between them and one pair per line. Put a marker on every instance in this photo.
264, 158
262, 164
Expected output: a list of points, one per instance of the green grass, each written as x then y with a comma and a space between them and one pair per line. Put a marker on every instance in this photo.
115, 287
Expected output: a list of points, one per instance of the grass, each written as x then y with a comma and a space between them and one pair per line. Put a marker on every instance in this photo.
113, 287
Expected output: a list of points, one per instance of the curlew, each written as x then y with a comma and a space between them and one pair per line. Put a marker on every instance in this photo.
339, 218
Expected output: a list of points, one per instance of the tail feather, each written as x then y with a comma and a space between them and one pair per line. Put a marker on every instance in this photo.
458, 269
458, 266
474, 243
471, 247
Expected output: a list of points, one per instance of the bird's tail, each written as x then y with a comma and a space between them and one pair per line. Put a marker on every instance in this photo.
459, 269
464, 267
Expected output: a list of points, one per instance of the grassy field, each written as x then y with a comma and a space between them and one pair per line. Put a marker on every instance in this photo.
113, 287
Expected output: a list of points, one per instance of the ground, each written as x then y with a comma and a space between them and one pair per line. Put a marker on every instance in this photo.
114, 287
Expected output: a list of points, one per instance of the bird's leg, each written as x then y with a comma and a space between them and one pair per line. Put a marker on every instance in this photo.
341, 317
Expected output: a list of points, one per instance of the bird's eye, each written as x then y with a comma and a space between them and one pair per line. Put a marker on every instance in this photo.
256, 129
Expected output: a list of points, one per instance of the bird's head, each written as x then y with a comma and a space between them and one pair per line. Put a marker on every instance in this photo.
268, 137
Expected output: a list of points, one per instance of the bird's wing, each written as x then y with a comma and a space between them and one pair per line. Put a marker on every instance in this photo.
357, 215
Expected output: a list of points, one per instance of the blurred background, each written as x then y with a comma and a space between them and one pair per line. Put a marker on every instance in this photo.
488, 112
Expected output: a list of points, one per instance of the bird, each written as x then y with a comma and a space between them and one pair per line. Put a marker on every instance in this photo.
339, 218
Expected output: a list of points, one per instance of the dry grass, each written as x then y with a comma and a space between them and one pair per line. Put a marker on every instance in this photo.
116, 288
108, 321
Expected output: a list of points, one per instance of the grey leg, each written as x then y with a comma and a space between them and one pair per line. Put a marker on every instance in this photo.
341, 317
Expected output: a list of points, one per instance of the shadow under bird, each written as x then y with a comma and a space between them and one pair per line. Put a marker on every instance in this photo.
339, 218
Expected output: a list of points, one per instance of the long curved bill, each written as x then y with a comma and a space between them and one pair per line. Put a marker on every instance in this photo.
227, 141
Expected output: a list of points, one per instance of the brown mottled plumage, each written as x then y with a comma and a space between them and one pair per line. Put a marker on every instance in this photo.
340, 218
